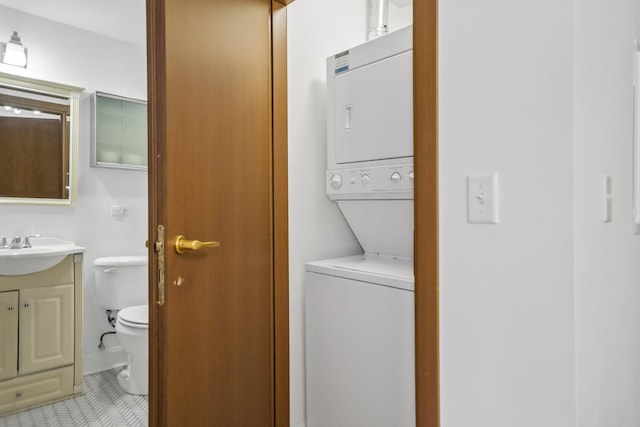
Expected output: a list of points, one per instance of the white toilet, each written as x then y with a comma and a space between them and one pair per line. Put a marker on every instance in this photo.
122, 284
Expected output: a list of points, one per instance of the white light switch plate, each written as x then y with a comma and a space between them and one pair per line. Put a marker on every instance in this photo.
482, 199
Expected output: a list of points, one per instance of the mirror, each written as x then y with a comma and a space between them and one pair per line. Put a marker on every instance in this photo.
38, 140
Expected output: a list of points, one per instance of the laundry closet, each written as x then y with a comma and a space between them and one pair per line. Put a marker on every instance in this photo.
359, 310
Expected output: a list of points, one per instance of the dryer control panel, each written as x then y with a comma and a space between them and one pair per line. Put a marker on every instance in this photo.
380, 182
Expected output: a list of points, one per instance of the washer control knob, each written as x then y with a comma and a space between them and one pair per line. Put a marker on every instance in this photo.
411, 175
365, 179
352, 180
396, 177
336, 181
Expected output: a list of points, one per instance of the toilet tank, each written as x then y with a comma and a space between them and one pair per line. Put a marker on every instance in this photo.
121, 281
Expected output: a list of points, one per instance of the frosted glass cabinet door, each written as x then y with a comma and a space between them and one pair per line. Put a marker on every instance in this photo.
8, 334
46, 328
108, 130
134, 133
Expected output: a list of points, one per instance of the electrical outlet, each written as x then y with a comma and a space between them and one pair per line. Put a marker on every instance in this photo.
119, 211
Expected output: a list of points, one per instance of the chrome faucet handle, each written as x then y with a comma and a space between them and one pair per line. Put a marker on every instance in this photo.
15, 243
26, 243
3, 242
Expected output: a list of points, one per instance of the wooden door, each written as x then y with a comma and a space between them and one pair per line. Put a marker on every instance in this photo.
46, 328
213, 345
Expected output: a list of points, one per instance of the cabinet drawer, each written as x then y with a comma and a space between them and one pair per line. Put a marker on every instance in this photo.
31, 390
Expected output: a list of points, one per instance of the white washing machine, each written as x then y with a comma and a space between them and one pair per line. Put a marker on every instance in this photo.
359, 310
359, 343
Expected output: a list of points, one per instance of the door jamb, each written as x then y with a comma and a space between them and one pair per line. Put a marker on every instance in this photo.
425, 122
280, 213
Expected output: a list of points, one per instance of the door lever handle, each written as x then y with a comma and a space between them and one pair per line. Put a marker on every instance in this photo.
183, 244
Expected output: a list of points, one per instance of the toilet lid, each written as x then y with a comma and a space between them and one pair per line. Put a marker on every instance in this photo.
136, 316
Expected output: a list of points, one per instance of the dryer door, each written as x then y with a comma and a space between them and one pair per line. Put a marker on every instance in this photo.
374, 111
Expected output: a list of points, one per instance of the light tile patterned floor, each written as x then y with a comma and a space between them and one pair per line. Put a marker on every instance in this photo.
104, 404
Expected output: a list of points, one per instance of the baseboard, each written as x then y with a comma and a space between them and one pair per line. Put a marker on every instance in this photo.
103, 360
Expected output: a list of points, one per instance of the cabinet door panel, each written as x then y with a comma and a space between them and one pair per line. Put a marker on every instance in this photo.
46, 328
134, 133
8, 334
108, 130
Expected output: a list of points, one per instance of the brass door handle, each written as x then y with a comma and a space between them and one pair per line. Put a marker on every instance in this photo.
183, 244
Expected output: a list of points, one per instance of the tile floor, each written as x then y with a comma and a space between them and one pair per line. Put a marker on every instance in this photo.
104, 404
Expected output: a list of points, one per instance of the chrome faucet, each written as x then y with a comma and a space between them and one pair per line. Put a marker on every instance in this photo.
16, 243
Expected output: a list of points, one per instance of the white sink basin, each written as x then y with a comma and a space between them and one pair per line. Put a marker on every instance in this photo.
45, 252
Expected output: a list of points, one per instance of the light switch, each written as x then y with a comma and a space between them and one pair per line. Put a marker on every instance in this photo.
482, 199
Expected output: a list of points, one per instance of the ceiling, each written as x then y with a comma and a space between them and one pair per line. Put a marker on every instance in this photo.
122, 20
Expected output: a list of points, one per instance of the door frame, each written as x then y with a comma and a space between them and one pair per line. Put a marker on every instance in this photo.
426, 242
426, 225
280, 211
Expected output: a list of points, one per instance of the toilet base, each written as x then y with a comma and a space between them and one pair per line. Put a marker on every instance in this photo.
134, 381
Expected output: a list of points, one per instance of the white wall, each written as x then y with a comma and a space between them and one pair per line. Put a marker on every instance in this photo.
317, 230
63, 54
607, 254
316, 30
400, 16
506, 106
507, 290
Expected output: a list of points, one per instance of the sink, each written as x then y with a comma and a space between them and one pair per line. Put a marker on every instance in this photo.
45, 252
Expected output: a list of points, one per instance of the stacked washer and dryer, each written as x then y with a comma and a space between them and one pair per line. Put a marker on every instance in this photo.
359, 310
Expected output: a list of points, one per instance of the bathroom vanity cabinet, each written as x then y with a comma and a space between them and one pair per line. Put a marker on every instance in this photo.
41, 336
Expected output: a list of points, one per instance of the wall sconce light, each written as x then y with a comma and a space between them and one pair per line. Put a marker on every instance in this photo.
13, 52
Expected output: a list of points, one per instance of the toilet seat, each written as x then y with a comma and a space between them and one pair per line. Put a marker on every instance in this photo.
136, 316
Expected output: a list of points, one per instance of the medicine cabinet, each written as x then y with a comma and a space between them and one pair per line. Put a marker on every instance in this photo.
119, 132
